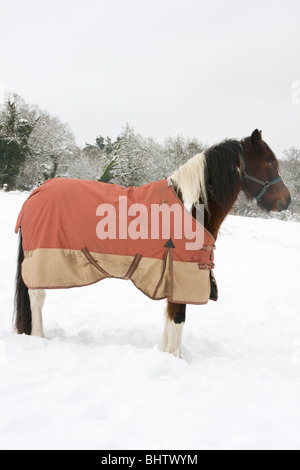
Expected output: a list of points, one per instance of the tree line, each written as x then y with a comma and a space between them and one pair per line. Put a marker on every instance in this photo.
35, 146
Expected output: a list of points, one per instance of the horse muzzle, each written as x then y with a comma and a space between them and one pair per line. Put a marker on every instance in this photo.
282, 204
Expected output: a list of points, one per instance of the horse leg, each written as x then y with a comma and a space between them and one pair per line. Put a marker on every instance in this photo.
175, 318
37, 299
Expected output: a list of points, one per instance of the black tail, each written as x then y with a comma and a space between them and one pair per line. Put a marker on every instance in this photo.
22, 316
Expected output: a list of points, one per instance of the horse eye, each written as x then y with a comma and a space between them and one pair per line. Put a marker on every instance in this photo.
272, 164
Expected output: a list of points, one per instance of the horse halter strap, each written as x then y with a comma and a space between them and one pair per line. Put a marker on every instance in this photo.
265, 184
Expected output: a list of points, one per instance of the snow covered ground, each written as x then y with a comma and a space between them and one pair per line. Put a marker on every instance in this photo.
99, 382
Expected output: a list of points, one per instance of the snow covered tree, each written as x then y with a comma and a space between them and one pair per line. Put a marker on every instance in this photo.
52, 145
34, 146
178, 149
15, 132
109, 146
130, 168
138, 159
100, 142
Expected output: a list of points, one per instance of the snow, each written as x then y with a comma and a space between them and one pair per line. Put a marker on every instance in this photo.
98, 381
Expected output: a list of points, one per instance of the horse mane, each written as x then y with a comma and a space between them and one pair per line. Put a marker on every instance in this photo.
212, 173
222, 176
190, 180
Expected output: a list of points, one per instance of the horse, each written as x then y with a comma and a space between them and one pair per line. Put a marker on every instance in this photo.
213, 178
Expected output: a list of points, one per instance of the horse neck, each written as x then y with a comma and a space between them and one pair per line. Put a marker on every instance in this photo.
205, 176
223, 183
216, 215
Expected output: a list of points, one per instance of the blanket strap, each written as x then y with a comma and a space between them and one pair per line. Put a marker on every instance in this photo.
132, 267
89, 257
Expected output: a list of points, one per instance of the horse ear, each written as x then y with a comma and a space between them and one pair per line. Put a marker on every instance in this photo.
256, 137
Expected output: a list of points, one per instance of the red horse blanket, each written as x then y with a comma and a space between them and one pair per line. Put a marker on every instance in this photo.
78, 232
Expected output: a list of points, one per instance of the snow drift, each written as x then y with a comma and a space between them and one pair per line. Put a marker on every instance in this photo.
99, 382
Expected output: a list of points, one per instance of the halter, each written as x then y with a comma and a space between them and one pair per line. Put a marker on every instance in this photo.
265, 184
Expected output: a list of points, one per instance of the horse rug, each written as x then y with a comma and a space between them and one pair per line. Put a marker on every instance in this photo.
77, 232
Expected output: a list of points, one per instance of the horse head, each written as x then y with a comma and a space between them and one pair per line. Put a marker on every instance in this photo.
261, 178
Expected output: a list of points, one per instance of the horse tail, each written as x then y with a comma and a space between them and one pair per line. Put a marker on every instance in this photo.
22, 313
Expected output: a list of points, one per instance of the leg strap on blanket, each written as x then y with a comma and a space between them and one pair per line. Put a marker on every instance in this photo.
89, 257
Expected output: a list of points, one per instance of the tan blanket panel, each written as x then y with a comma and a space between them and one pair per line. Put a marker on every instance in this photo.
158, 279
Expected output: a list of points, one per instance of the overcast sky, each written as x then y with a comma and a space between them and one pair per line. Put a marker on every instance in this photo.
206, 68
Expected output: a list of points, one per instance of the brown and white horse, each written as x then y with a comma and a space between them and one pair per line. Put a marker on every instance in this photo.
213, 178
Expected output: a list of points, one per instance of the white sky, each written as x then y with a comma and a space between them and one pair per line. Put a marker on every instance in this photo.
209, 68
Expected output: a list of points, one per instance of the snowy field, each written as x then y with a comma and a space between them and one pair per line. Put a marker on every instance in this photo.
99, 381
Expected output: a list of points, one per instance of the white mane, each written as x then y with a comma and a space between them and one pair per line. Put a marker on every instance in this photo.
190, 179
